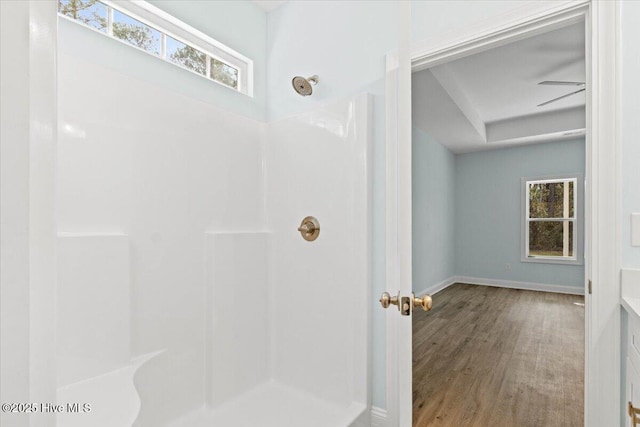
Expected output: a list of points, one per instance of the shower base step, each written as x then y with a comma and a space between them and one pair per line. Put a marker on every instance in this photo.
274, 405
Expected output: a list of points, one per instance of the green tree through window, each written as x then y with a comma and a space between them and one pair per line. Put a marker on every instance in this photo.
137, 35
89, 12
224, 73
190, 58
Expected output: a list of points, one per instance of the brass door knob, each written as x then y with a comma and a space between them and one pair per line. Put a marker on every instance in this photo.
386, 300
425, 302
406, 304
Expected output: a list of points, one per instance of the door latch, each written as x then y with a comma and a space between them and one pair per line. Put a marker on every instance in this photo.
406, 304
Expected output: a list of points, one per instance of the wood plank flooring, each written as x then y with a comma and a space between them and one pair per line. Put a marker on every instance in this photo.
497, 357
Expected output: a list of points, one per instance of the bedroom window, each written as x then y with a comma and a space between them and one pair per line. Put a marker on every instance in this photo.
552, 231
154, 31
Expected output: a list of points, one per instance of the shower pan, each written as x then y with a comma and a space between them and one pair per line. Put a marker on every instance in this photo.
186, 295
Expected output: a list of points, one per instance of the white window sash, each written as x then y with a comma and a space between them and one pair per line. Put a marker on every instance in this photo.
528, 183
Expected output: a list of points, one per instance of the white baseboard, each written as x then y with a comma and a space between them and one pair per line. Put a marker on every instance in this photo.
543, 287
434, 289
378, 417
499, 283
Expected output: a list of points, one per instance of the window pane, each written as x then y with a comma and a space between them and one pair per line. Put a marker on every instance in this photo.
135, 32
547, 238
223, 73
571, 207
89, 12
546, 200
186, 56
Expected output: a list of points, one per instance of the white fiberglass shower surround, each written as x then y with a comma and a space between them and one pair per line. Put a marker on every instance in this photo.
186, 295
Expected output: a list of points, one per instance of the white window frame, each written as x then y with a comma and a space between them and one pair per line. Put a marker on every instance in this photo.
578, 229
171, 26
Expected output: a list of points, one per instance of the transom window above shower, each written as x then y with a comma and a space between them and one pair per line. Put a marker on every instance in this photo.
158, 33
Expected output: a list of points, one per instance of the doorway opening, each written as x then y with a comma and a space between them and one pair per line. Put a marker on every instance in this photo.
498, 159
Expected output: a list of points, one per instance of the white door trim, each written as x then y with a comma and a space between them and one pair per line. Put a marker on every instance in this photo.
398, 228
529, 20
602, 228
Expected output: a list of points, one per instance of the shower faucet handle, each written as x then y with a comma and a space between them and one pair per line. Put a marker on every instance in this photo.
309, 228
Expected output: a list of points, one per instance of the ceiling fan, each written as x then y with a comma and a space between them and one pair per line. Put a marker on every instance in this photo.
581, 85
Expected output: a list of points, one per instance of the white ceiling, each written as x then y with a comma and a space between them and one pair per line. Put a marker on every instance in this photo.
490, 99
268, 5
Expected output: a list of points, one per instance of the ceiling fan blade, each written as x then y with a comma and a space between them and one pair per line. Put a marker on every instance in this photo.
559, 83
561, 97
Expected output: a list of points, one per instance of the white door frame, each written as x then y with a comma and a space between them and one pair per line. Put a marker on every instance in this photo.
602, 211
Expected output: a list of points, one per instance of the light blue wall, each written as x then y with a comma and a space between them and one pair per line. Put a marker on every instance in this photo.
488, 210
433, 170
240, 25
345, 43
630, 126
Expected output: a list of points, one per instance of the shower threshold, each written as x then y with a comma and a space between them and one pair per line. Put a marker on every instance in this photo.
273, 404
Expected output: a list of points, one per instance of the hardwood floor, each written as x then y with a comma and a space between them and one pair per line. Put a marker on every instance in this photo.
497, 357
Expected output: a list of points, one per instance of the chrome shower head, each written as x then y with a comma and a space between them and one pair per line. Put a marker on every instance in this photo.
304, 86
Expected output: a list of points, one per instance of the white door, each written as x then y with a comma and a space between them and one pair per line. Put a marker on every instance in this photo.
602, 382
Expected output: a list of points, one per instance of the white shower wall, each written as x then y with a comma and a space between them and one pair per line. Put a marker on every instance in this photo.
183, 278
318, 165
162, 169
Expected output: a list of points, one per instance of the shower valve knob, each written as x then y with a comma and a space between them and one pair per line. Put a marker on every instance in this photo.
309, 228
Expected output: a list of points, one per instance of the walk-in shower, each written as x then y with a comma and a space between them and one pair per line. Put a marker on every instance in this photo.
186, 295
